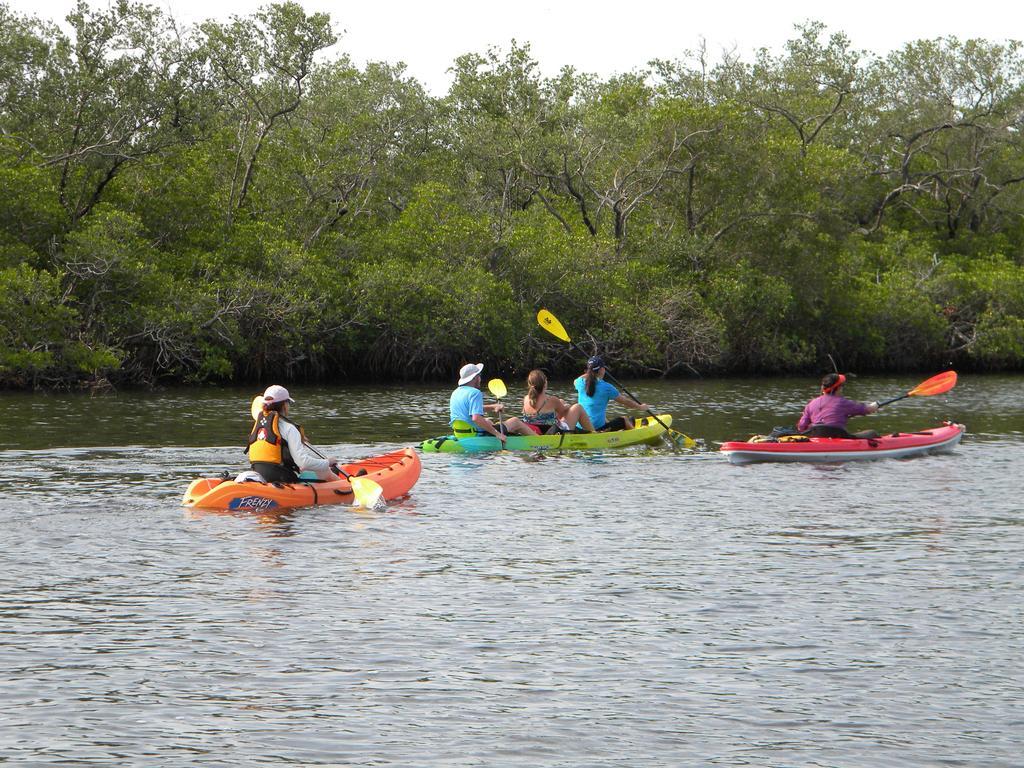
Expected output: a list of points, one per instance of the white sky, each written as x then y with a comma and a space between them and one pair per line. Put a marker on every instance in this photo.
603, 36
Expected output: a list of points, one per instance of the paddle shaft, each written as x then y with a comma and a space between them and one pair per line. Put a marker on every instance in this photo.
892, 400
501, 424
336, 467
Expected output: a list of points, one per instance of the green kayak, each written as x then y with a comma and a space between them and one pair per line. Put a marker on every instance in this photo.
646, 431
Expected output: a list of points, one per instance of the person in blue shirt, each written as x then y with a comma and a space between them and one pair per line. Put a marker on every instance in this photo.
595, 393
467, 404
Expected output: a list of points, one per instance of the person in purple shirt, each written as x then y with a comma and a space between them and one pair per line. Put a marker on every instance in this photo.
826, 415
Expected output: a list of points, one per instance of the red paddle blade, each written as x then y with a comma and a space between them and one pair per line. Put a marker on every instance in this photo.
936, 385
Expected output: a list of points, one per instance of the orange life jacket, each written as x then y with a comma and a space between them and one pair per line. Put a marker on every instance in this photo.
265, 441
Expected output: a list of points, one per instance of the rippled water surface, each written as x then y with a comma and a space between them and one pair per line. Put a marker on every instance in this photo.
640, 608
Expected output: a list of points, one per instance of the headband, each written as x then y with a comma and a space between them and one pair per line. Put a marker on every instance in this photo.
833, 387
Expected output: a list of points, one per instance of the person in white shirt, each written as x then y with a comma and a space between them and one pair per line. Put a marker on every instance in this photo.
278, 449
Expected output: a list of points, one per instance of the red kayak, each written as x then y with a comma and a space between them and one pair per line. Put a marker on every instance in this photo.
898, 445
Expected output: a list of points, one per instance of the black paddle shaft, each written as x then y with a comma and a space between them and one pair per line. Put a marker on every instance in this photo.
892, 400
335, 467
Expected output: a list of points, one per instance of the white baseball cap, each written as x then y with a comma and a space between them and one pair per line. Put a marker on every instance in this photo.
469, 371
276, 394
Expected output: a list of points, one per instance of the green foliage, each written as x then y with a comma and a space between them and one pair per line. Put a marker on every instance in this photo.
423, 320
665, 329
259, 66
30, 327
899, 322
983, 305
756, 311
237, 202
110, 266
434, 225
30, 211
179, 200
37, 330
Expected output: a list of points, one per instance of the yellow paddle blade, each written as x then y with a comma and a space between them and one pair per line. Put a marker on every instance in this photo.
683, 441
497, 388
936, 385
367, 492
550, 324
257, 406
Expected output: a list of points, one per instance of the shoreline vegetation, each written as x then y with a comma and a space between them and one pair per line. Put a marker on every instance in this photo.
237, 201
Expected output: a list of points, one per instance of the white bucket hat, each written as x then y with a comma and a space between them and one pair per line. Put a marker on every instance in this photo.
469, 371
276, 394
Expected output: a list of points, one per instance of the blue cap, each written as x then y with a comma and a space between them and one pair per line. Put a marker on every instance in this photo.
596, 362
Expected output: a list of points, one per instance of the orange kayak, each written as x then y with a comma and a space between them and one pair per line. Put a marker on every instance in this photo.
396, 473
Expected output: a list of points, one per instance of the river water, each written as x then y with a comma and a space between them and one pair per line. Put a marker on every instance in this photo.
640, 608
